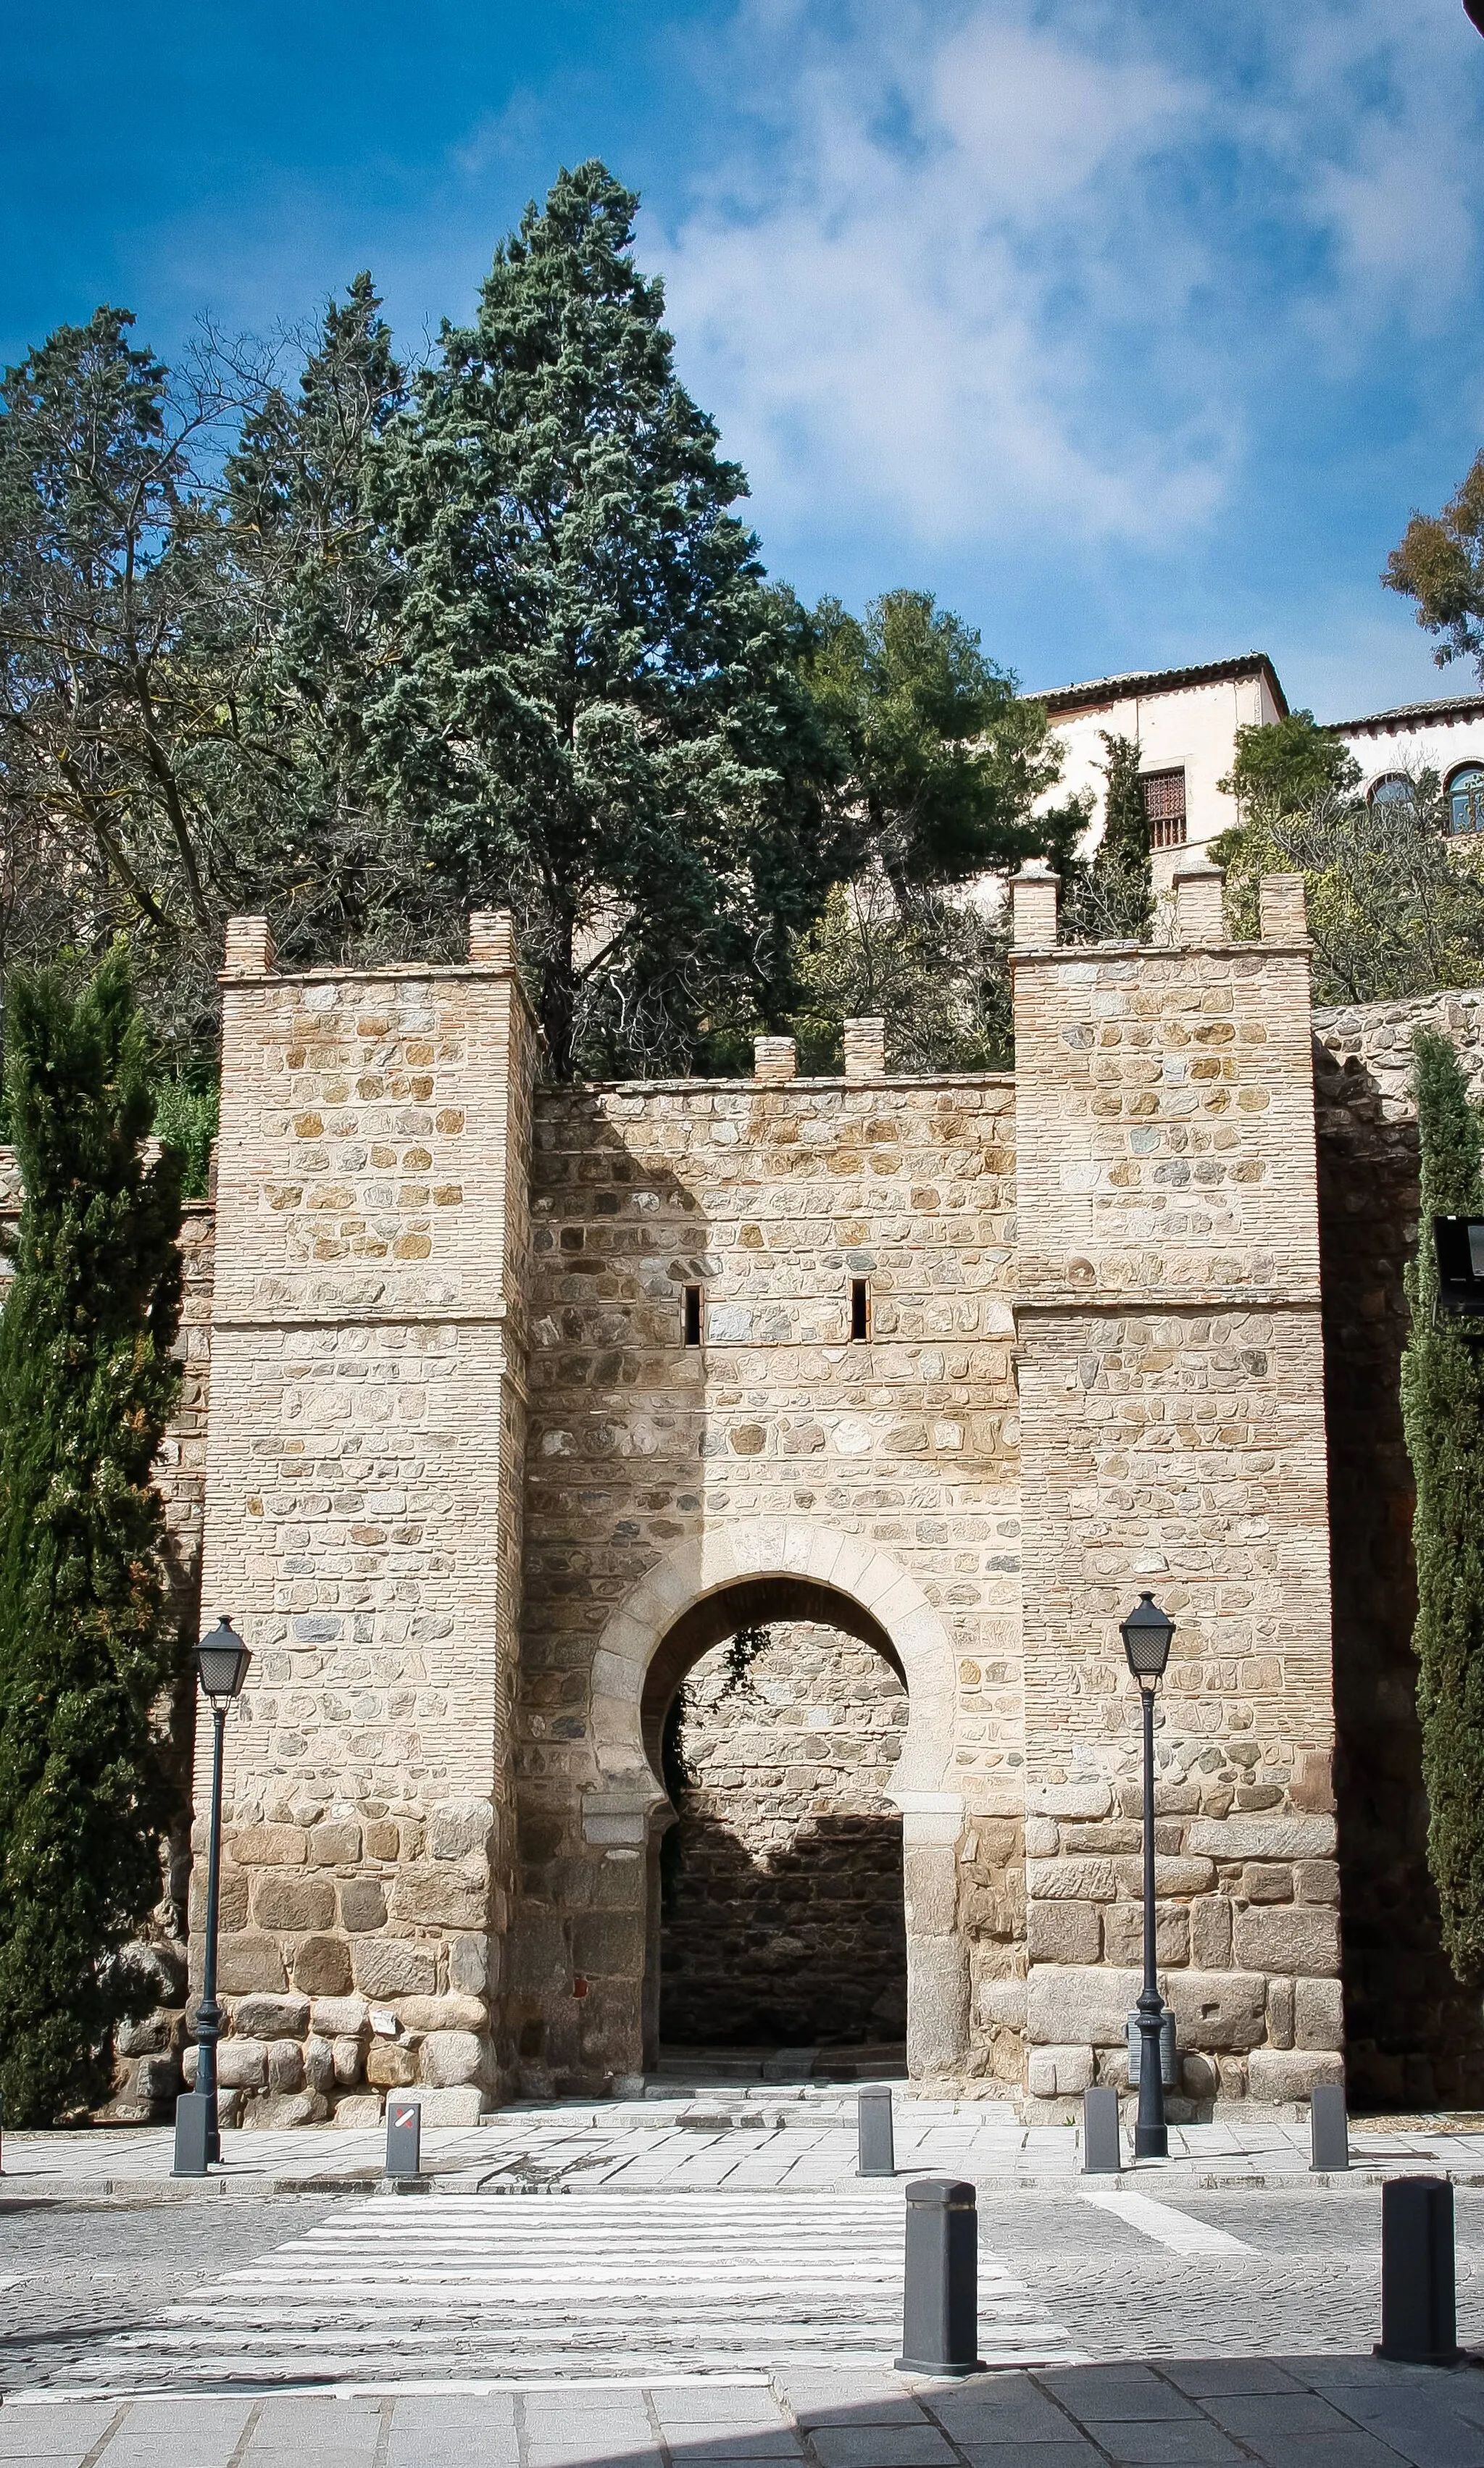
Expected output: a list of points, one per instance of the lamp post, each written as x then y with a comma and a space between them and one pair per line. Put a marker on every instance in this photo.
222, 1662
1145, 1634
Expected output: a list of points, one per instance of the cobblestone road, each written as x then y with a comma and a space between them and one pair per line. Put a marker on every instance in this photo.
657, 2320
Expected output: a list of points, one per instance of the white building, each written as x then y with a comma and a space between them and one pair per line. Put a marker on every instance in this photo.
1185, 724
1448, 737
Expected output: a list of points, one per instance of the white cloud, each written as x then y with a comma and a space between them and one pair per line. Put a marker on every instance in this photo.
998, 270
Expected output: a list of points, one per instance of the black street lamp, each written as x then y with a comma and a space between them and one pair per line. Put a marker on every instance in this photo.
222, 1662
1145, 1634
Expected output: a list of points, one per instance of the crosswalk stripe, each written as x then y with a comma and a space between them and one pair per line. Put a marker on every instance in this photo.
457, 2282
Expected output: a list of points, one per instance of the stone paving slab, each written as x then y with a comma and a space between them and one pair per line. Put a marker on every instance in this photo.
1335, 2412
654, 2144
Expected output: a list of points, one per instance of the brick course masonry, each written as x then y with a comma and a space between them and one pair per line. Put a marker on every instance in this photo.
481, 1508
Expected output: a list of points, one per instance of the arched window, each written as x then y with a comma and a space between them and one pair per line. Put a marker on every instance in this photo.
1466, 798
1393, 789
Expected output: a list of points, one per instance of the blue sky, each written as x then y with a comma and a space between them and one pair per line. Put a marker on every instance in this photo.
1133, 329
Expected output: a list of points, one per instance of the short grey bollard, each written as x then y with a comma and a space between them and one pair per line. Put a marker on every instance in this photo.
1328, 2134
1419, 2324
1102, 2145
940, 2330
404, 2137
193, 2134
876, 2149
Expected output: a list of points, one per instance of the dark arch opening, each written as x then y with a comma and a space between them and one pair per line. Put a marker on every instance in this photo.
777, 1916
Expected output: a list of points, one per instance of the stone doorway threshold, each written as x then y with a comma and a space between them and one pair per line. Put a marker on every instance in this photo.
680, 2070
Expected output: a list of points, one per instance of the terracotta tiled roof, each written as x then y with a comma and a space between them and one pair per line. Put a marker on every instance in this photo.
1148, 681
1410, 714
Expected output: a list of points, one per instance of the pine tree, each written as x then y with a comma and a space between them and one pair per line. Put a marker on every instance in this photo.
86, 1386
317, 604
1443, 1411
600, 717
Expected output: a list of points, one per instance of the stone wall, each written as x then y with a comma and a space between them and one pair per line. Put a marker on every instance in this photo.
665, 1478
1413, 2036
362, 1519
782, 1879
1172, 1437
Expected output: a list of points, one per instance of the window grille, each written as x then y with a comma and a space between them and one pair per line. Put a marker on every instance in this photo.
1466, 799
1164, 803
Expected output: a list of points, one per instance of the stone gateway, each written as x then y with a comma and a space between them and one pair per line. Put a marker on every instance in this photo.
525, 1399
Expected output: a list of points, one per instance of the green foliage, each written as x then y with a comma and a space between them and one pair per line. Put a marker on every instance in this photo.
1443, 1411
316, 605
185, 1117
1283, 765
1396, 905
937, 972
87, 1384
1111, 896
1439, 563
945, 758
600, 717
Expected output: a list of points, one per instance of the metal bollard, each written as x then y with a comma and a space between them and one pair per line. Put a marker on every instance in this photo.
940, 2329
404, 2137
875, 2144
1328, 2134
1419, 2323
193, 2134
1102, 2145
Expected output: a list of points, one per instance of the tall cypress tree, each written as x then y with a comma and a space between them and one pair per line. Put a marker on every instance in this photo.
1443, 1410
1111, 896
86, 1386
599, 714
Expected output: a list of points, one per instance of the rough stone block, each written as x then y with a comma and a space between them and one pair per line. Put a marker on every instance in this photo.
267, 1846
1221, 2009
443, 2014
345, 2057
1002, 2002
1288, 1937
242, 2065
334, 1842
1282, 2073
1316, 1880
1318, 2014
1263, 1838
271, 2018
319, 2064
363, 1905
1068, 2007
286, 2065
359, 2112
322, 1966
1057, 2074
1070, 1800
441, 1895
609, 1945
459, 1829
937, 2005
1280, 2012
158, 2078
388, 1966
1042, 1837
1268, 1883
244, 1963
1063, 1932
1072, 1881
1210, 1932
1123, 1932
469, 1965
1172, 1877
301, 2107
389, 2065
452, 2107
282, 1901
336, 2016
448, 2057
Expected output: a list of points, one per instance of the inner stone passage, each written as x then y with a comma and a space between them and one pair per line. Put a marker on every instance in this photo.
781, 1883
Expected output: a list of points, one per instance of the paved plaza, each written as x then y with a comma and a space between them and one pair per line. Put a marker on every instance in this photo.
681, 2282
